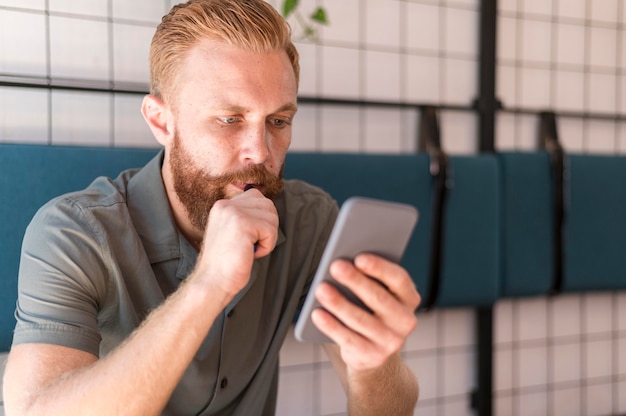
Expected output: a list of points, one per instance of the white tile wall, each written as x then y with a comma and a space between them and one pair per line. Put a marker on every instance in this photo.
341, 74
348, 12
24, 115
574, 9
27, 5
130, 129
461, 32
383, 131
79, 48
459, 82
538, 7
26, 57
381, 24
423, 31
140, 10
570, 37
558, 356
423, 79
80, 7
92, 127
130, 59
535, 48
341, 130
382, 79
570, 91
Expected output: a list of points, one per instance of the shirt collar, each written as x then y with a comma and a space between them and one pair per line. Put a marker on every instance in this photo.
151, 212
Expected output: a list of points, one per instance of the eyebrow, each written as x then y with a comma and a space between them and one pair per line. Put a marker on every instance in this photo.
287, 107
242, 109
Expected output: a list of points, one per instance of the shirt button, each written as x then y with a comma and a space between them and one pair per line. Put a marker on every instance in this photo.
230, 313
224, 383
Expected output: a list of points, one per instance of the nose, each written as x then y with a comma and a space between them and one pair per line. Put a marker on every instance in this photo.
255, 149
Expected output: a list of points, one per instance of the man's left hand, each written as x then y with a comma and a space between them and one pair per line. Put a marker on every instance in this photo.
367, 340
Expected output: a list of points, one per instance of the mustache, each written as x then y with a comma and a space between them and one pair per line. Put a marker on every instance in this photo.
253, 174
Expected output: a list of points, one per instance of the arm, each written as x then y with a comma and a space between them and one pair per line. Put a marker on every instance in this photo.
394, 384
367, 351
139, 376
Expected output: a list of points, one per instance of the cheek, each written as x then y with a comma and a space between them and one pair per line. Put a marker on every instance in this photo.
215, 155
280, 145
281, 141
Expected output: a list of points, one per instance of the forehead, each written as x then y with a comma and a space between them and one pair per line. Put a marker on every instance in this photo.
215, 69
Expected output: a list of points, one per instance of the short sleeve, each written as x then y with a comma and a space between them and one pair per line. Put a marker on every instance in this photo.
61, 277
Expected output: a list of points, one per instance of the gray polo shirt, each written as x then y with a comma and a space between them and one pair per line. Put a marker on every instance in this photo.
96, 262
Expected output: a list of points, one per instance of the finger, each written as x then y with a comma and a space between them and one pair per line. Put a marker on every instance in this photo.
392, 275
352, 317
368, 290
338, 332
267, 234
251, 218
357, 352
394, 314
266, 215
372, 341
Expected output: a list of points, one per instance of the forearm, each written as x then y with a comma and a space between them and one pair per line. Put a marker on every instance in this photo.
389, 390
139, 376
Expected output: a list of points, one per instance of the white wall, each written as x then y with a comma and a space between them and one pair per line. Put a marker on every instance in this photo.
558, 356
562, 355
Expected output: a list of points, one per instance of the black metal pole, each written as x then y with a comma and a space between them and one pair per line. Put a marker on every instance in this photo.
487, 103
483, 395
487, 106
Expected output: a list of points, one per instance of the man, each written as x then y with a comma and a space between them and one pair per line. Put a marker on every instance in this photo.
170, 289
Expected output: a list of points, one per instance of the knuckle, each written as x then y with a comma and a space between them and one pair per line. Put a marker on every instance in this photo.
409, 324
415, 300
393, 345
362, 318
380, 296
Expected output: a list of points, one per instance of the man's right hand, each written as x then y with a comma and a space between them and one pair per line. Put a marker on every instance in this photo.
238, 231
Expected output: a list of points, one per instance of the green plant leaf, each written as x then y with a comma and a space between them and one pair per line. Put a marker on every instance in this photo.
319, 16
309, 33
289, 6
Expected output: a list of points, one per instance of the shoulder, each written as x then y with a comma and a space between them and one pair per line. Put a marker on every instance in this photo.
307, 212
103, 192
86, 209
299, 195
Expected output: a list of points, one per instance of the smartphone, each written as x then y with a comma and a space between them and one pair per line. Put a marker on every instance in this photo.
364, 225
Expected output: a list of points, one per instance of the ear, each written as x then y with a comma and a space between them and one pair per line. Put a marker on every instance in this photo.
159, 118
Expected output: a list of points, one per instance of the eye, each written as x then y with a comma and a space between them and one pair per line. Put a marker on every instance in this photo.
229, 120
279, 122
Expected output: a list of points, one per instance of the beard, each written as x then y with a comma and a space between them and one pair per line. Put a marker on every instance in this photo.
198, 191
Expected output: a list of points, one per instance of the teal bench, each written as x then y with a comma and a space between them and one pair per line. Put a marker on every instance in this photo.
593, 233
497, 237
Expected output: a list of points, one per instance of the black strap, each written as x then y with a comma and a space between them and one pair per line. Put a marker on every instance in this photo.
429, 141
549, 141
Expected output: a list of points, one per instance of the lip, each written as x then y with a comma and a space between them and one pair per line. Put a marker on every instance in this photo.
246, 186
